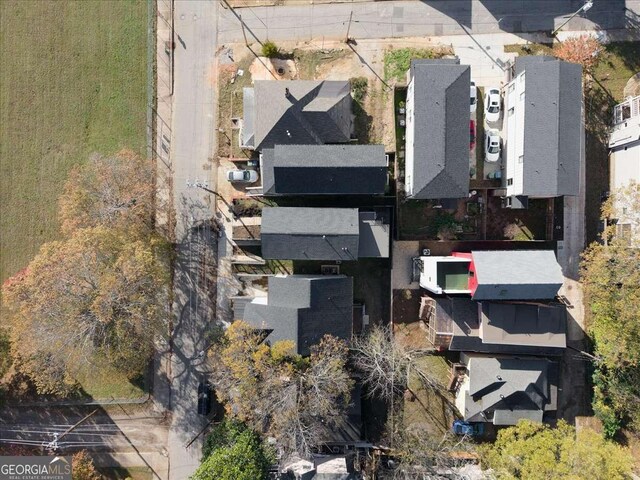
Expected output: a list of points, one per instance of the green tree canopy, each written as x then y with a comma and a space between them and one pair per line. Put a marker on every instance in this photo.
533, 451
233, 452
610, 273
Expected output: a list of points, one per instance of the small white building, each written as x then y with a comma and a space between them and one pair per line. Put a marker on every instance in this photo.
544, 136
624, 160
445, 274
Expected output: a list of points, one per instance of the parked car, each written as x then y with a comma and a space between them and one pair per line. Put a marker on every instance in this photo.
492, 105
460, 427
242, 176
492, 146
474, 96
205, 392
472, 134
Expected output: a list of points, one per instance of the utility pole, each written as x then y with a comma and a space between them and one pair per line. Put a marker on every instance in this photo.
53, 445
243, 32
346, 40
587, 5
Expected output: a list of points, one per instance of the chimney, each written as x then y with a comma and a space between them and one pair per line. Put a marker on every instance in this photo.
286, 92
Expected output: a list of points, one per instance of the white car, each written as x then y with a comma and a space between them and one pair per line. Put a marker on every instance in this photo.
492, 145
492, 105
474, 96
242, 176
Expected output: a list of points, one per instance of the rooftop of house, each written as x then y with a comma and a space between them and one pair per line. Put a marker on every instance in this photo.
324, 169
305, 233
516, 274
504, 390
553, 133
507, 328
296, 112
304, 308
441, 128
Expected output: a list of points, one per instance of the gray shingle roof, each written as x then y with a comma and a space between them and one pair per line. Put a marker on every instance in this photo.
516, 274
303, 309
552, 126
441, 119
324, 169
248, 106
517, 388
313, 112
302, 233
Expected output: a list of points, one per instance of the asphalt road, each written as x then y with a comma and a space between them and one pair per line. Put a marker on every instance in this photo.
125, 430
390, 19
192, 147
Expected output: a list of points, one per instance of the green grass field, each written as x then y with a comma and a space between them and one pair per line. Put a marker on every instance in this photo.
72, 82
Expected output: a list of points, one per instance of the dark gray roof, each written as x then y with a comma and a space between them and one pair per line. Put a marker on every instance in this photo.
516, 274
313, 112
441, 126
324, 169
302, 233
506, 328
503, 390
375, 235
553, 132
523, 324
248, 106
303, 309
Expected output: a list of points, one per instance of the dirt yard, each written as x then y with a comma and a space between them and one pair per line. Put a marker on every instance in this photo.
313, 61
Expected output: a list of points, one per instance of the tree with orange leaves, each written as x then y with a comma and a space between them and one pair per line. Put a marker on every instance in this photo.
584, 50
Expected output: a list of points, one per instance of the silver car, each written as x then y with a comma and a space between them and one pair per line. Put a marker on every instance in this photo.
242, 176
492, 145
492, 105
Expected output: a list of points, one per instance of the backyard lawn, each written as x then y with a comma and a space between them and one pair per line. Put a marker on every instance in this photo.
73, 81
430, 409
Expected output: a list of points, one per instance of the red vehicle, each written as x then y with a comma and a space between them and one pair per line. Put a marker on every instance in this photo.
472, 134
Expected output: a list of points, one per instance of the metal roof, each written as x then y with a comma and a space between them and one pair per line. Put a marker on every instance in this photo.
462, 317
523, 324
441, 125
324, 169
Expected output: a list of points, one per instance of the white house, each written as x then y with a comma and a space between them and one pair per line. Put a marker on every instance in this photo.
544, 134
624, 164
437, 135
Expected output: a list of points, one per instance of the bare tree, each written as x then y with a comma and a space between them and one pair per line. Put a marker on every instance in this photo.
385, 364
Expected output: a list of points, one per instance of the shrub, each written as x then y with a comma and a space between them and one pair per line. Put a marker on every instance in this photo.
270, 49
358, 88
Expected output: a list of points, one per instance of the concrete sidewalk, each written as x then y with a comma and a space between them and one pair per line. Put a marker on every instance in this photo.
397, 19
